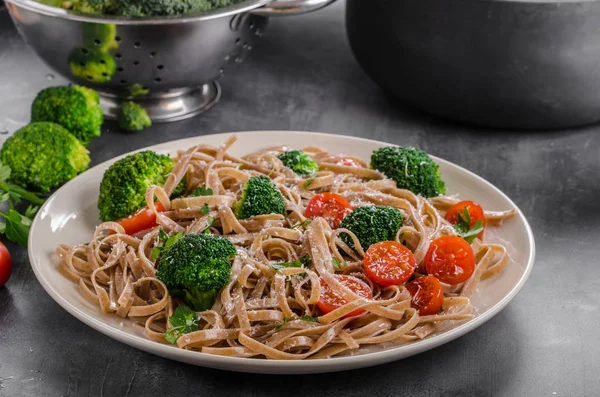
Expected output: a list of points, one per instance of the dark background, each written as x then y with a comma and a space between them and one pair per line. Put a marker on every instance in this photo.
302, 76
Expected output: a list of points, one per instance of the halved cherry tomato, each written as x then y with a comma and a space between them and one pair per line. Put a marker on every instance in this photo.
330, 300
427, 295
450, 259
475, 212
348, 162
330, 206
389, 263
141, 220
5, 265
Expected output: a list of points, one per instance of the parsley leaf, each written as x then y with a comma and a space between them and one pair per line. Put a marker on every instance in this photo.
162, 235
16, 227
463, 226
17, 193
167, 242
156, 251
336, 263
5, 172
31, 211
210, 220
305, 223
201, 191
183, 321
173, 239
205, 209
301, 262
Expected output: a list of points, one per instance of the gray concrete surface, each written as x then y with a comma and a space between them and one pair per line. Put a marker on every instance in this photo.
303, 77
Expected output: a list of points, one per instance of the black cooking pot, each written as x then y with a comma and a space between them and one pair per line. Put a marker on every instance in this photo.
496, 63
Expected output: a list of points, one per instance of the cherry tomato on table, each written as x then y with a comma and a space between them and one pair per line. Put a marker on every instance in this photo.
330, 206
450, 259
475, 212
330, 300
427, 295
141, 220
5, 265
389, 263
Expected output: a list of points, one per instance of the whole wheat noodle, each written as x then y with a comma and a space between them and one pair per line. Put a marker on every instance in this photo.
261, 311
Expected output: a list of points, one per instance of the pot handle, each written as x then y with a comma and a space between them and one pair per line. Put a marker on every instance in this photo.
290, 7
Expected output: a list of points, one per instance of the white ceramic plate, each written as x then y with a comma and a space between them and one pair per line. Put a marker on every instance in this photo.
70, 216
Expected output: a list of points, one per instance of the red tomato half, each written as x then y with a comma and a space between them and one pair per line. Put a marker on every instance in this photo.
141, 220
389, 263
450, 259
5, 265
329, 300
348, 162
427, 295
475, 212
330, 206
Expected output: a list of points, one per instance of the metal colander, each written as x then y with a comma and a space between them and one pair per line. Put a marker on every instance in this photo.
170, 65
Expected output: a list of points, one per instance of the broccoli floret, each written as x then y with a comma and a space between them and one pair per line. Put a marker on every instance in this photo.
133, 117
259, 197
168, 7
92, 64
299, 162
43, 156
100, 36
196, 267
124, 184
76, 108
137, 89
371, 224
141, 8
411, 168
85, 6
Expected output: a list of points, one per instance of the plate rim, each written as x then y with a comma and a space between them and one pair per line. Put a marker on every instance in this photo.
280, 366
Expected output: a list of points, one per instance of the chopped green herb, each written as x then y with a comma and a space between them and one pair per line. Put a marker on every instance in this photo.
301, 262
305, 223
205, 209
183, 321
210, 220
162, 235
310, 319
336, 263
464, 229
308, 182
167, 242
239, 166
201, 191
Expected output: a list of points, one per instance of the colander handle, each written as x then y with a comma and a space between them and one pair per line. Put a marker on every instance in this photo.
290, 7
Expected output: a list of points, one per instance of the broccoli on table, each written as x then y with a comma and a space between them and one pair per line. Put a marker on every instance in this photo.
43, 156
76, 108
299, 162
92, 64
411, 168
124, 184
371, 224
259, 197
133, 117
196, 267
